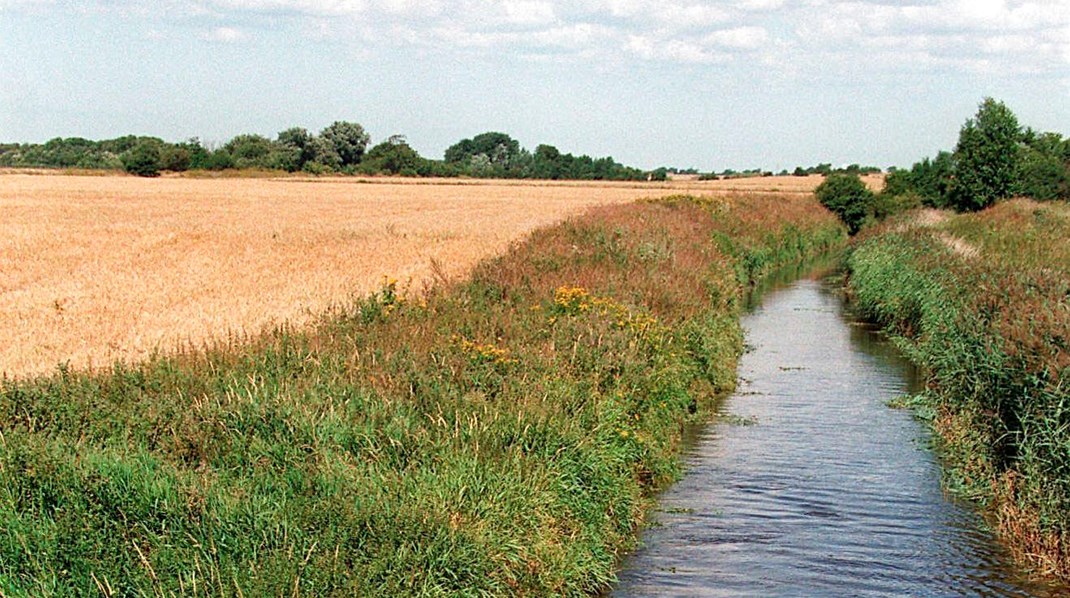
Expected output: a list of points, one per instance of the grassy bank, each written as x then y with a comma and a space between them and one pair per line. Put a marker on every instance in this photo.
982, 303
500, 435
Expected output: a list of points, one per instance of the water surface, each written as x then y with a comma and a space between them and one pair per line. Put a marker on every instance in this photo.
811, 485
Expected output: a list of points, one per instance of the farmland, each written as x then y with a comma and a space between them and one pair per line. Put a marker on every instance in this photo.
105, 268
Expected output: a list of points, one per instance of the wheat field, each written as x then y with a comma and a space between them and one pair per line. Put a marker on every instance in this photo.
99, 269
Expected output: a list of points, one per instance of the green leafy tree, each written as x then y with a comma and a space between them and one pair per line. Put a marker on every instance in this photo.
143, 159
324, 157
393, 156
250, 150
491, 154
549, 163
297, 144
986, 159
848, 197
1045, 166
348, 140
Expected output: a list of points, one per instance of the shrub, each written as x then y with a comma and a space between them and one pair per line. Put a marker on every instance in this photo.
848, 197
143, 159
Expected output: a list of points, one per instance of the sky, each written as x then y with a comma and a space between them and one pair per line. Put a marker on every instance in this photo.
766, 84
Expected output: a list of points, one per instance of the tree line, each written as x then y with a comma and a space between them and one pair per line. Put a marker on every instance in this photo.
342, 147
995, 158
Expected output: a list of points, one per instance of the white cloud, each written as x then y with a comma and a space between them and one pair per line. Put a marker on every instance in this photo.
528, 12
224, 35
310, 7
744, 38
985, 35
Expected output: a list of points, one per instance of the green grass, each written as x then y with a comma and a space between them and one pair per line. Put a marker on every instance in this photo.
500, 436
992, 330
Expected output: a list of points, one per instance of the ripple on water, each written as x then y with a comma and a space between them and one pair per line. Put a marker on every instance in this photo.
830, 492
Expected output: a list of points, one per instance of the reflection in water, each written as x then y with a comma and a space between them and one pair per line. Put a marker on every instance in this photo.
829, 492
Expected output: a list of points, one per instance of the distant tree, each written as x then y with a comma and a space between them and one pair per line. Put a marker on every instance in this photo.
348, 140
848, 197
199, 156
174, 157
250, 150
487, 154
324, 156
658, 174
143, 159
986, 159
299, 143
548, 162
1043, 176
393, 156
1044, 169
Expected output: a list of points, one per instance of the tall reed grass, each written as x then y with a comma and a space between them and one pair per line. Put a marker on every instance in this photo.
982, 302
498, 436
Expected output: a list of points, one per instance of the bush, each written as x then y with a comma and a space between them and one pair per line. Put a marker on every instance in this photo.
143, 159
848, 197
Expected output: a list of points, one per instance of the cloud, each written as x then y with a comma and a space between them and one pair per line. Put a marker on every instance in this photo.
1019, 36
226, 35
298, 7
744, 38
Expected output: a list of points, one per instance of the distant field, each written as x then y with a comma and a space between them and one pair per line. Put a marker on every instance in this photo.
97, 269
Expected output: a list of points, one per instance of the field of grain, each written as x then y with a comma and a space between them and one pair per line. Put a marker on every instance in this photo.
98, 269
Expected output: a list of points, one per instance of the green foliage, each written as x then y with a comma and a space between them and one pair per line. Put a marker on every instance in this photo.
848, 197
297, 146
143, 159
339, 148
985, 164
989, 328
1045, 166
347, 140
502, 436
394, 156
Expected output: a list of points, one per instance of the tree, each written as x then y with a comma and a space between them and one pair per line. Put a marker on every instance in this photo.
393, 156
324, 155
848, 197
548, 162
296, 144
143, 159
348, 140
487, 154
986, 159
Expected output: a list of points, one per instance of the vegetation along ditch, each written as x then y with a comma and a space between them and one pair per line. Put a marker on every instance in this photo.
500, 435
981, 301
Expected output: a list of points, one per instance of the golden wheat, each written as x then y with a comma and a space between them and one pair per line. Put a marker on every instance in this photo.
98, 269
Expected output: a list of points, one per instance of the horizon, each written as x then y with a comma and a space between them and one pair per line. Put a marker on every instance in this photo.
705, 85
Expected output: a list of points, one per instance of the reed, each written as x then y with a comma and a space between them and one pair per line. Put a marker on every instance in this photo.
980, 302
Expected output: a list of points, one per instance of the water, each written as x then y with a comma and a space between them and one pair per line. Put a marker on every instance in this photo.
813, 486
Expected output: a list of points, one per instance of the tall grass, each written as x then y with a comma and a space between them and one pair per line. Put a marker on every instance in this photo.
991, 326
501, 435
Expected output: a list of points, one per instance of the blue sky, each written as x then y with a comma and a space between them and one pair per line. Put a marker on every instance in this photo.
711, 85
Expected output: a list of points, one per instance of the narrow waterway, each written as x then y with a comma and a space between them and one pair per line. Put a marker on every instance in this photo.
810, 485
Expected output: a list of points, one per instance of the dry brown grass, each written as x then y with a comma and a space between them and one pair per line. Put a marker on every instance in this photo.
98, 269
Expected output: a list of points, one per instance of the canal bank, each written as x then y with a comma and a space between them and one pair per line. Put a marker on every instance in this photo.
809, 484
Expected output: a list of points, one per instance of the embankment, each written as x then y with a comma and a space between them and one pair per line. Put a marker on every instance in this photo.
501, 435
982, 303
